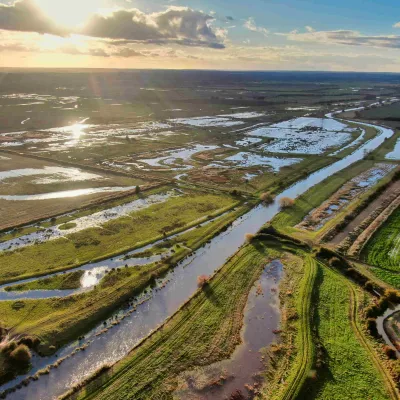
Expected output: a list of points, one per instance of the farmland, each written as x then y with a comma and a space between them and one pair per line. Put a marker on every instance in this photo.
197, 238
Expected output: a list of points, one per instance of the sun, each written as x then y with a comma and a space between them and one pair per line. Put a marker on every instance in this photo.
71, 13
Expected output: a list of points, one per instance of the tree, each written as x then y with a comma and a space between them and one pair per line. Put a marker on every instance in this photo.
137, 189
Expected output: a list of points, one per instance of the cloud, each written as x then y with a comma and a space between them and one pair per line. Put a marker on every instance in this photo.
346, 37
309, 28
180, 25
397, 25
25, 16
251, 26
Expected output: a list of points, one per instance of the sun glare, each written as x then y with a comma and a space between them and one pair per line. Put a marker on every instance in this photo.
71, 13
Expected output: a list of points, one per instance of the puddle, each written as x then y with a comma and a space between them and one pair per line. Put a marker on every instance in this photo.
61, 174
93, 277
248, 141
174, 156
261, 319
244, 115
247, 159
66, 193
206, 121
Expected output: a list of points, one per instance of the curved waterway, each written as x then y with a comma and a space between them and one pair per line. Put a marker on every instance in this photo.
180, 285
380, 324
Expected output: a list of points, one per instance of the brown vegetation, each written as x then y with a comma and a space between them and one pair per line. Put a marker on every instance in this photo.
286, 202
267, 198
202, 280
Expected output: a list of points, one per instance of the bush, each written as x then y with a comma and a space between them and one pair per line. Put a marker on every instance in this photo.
202, 280
249, 237
334, 262
21, 356
392, 295
30, 341
372, 328
369, 285
286, 202
267, 197
390, 353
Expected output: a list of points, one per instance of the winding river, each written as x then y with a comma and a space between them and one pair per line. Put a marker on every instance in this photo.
180, 284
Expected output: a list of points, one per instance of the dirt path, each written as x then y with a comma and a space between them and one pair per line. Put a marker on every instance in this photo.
392, 190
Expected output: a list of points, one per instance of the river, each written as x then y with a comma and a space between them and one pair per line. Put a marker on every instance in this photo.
181, 284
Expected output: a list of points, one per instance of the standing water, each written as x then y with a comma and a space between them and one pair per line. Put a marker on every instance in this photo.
241, 373
118, 341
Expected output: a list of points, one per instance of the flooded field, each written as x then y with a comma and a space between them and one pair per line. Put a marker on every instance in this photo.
116, 204
206, 260
304, 136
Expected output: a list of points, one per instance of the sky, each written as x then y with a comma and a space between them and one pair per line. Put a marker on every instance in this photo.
323, 35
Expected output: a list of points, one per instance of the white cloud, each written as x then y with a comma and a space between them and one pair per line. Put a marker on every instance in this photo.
251, 26
309, 28
397, 25
180, 25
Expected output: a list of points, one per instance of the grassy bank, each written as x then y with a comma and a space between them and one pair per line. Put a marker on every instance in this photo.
70, 280
291, 359
203, 331
113, 237
345, 367
59, 320
287, 219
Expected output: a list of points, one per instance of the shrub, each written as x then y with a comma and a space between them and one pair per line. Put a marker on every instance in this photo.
266, 197
137, 189
334, 262
390, 353
249, 237
286, 202
372, 328
21, 356
202, 280
369, 285
392, 295
30, 341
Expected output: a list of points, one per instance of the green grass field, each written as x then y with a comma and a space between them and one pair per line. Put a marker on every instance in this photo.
383, 249
113, 237
347, 368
